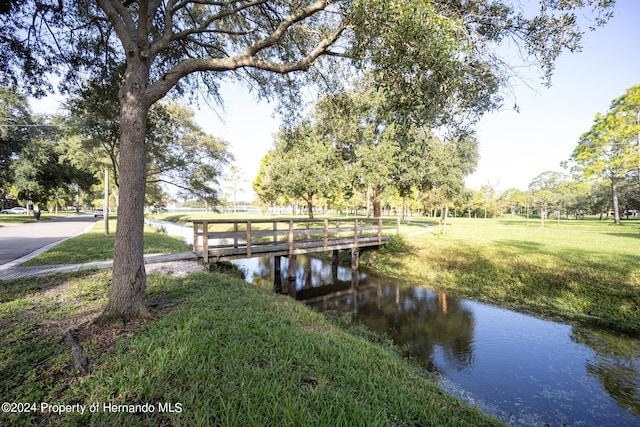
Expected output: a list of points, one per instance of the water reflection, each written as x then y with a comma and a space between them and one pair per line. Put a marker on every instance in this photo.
521, 369
615, 364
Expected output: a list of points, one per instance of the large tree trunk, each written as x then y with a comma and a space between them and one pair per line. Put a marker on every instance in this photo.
126, 296
310, 204
616, 206
375, 200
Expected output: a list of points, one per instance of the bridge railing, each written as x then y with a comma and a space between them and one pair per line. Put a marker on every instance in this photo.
220, 238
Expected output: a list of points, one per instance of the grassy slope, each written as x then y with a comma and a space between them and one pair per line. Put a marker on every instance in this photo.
580, 269
230, 353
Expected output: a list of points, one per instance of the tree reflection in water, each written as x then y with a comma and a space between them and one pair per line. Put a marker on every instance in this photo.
616, 364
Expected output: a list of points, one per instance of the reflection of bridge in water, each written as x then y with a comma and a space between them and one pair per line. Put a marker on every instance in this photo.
421, 321
338, 289
323, 285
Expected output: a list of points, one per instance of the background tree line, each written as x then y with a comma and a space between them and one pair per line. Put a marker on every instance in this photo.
350, 152
59, 161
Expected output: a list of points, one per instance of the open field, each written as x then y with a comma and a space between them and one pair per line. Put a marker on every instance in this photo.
587, 270
219, 351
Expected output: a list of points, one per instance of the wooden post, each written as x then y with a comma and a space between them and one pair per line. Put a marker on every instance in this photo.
334, 257
195, 236
235, 238
248, 239
290, 238
354, 258
276, 264
398, 225
205, 242
355, 232
291, 269
275, 232
379, 231
325, 234
355, 252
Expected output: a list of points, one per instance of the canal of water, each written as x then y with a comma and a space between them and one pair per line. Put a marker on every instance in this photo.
521, 369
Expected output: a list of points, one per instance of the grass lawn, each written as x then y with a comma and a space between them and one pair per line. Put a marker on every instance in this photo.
219, 351
96, 246
19, 219
580, 269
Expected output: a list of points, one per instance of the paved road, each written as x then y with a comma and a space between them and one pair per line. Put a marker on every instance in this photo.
19, 240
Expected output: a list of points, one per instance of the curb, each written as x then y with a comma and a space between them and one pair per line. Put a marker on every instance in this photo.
25, 258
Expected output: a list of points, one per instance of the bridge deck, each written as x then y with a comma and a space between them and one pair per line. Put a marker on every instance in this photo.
234, 239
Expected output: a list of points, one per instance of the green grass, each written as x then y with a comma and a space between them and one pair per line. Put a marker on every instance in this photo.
227, 352
33, 314
582, 269
21, 219
96, 246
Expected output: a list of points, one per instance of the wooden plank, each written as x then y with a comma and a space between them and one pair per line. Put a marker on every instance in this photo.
301, 247
290, 237
312, 243
319, 232
205, 242
248, 239
282, 220
325, 234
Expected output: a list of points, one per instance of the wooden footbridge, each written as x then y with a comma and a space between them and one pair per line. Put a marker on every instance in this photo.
219, 239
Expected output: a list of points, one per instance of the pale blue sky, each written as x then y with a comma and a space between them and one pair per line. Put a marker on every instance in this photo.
514, 146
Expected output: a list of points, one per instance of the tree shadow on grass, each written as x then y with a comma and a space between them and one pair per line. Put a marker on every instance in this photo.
11, 290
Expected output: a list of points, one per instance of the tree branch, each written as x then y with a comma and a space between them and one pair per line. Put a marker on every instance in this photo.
168, 36
121, 20
159, 88
296, 17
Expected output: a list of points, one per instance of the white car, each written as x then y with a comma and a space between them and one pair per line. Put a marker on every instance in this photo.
18, 210
98, 213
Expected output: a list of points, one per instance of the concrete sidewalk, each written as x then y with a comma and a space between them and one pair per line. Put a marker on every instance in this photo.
16, 272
